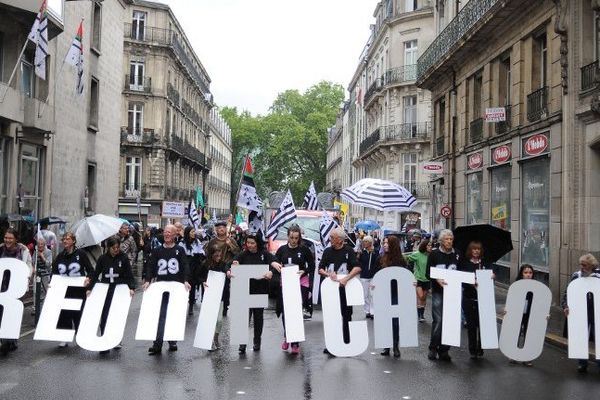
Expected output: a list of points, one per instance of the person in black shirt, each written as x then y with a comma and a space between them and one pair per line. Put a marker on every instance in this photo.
72, 262
167, 263
340, 259
294, 253
113, 268
194, 250
447, 258
255, 255
471, 263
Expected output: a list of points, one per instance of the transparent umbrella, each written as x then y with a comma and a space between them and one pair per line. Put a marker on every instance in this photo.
93, 230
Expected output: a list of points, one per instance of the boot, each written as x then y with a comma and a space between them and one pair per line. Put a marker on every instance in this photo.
396, 352
216, 345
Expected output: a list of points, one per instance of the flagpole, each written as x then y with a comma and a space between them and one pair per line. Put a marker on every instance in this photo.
14, 71
237, 195
42, 106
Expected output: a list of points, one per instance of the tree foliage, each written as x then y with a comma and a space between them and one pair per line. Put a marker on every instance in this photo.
289, 144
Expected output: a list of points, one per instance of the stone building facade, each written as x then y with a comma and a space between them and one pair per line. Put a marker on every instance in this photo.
532, 172
59, 150
218, 186
167, 118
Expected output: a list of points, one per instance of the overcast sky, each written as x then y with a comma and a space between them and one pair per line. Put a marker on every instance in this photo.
255, 49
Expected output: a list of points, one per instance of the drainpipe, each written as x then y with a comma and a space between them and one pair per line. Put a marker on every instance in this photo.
453, 134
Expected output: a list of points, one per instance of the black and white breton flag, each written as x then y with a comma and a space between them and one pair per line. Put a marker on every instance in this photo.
310, 198
285, 214
193, 214
325, 227
255, 222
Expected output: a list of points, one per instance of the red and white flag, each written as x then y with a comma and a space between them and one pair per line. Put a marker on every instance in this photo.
75, 57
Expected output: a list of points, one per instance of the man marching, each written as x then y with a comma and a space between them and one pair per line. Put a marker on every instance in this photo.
167, 263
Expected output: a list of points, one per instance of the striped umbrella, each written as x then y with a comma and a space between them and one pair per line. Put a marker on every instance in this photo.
379, 194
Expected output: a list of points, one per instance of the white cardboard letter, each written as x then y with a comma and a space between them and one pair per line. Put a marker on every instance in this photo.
332, 319
87, 335
242, 301
209, 311
578, 316
150, 312
54, 302
488, 327
405, 310
536, 328
452, 302
10, 326
292, 304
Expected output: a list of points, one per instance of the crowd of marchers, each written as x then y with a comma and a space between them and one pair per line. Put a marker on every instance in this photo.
187, 254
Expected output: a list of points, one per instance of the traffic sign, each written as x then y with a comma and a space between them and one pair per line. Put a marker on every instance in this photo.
446, 211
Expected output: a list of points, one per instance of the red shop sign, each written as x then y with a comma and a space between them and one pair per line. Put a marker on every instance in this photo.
501, 154
535, 145
475, 161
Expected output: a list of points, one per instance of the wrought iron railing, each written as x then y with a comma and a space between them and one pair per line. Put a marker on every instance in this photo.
374, 88
173, 94
148, 34
407, 131
418, 190
190, 65
401, 74
136, 135
130, 191
466, 19
439, 146
590, 76
369, 141
476, 130
504, 126
537, 104
334, 162
138, 83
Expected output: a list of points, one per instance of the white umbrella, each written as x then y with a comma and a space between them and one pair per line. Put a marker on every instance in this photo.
379, 194
93, 230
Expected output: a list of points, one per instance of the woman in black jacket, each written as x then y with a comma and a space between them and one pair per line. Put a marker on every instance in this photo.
195, 256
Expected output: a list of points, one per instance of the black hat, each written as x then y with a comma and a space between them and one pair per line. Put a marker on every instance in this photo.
221, 223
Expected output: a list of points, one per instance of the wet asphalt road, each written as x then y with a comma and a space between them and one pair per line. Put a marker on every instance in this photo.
40, 370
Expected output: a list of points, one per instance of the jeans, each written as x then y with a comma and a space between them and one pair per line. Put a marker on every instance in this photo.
161, 323
437, 309
257, 315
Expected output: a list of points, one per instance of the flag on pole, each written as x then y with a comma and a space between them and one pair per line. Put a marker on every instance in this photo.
325, 227
285, 214
248, 198
193, 214
39, 36
310, 198
75, 57
255, 222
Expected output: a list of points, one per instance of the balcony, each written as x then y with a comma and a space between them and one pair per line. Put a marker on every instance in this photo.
537, 104
334, 162
186, 150
191, 67
504, 126
412, 131
476, 130
138, 83
473, 17
403, 74
590, 76
373, 89
148, 34
173, 94
439, 146
129, 191
370, 141
136, 136
418, 190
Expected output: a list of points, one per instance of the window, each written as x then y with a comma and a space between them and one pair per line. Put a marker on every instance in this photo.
133, 176
94, 99
1, 56
29, 180
27, 78
441, 15
500, 200
535, 193
136, 118
411, 54
136, 75
90, 189
410, 116
389, 7
96, 25
504, 82
138, 25
596, 34
474, 206
5, 166
410, 171
411, 5
540, 62
477, 87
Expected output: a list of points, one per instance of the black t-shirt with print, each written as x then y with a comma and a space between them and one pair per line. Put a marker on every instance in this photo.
340, 261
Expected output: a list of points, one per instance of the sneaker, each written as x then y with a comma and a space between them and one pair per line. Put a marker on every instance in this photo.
172, 347
103, 352
256, 347
421, 319
295, 349
242, 349
306, 316
385, 352
285, 345
445, 356
63, 344
432, 355
154, 350
527, 363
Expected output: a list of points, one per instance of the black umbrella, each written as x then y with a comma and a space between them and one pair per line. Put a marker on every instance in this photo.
496, 242
51, 221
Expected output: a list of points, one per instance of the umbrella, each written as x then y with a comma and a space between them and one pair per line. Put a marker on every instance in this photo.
93, 230
51, 221
367, 225
379, 194
496, 242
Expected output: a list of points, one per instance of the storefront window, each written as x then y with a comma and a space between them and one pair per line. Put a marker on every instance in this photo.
474, 210
535, 194
500, 200
439, 222
30, 180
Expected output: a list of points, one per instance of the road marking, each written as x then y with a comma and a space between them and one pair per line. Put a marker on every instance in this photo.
240, 392
247, 367
387, 372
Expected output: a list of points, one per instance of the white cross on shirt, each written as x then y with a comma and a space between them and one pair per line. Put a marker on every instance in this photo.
111, 275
